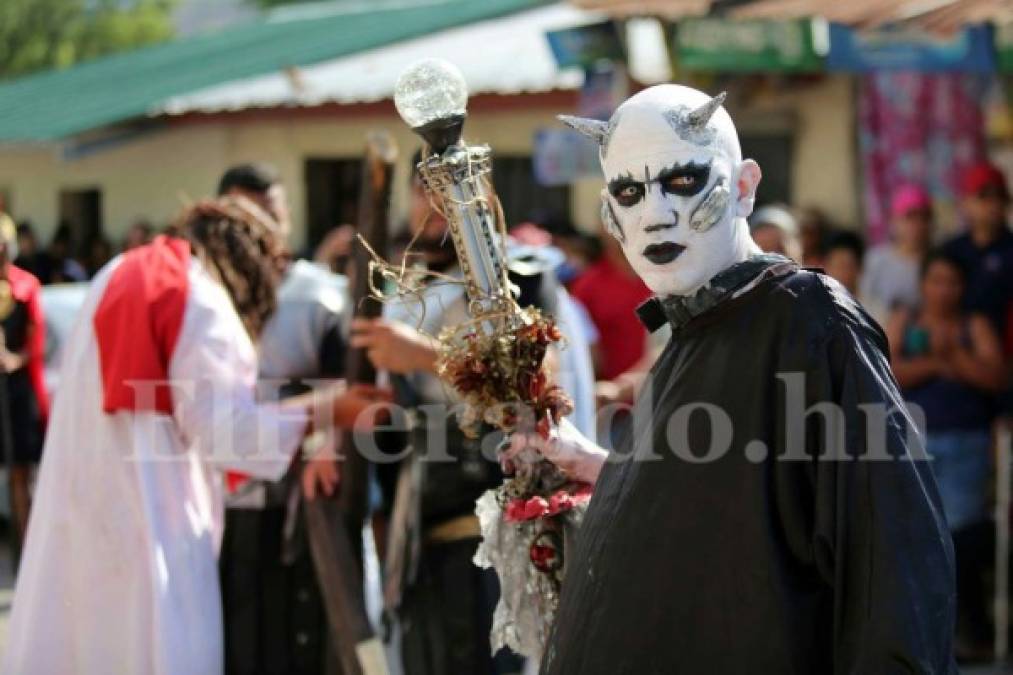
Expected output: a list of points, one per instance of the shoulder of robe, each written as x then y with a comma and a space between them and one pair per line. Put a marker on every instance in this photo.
208, 303
819, 305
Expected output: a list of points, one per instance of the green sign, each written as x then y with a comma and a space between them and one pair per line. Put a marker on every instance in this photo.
1004, 47
723, 45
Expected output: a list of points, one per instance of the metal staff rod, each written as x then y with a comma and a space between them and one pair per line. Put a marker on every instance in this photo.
431, 97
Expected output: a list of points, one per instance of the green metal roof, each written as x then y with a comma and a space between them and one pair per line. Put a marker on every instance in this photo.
60, 103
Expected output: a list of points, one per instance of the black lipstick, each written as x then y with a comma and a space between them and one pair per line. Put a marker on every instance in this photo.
663, 253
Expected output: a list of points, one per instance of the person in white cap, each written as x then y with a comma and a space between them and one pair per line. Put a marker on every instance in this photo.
775, 230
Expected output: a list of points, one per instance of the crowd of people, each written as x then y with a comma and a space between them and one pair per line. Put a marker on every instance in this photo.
947, 308
66, 260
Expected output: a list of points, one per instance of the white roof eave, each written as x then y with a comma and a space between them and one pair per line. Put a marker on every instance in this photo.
508, 55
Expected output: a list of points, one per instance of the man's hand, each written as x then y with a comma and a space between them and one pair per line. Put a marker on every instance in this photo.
320, 473
9, 361
943, 340
337, 244
576, 456
320, 470
623, 389
350, 408
394, 346
338, 408
611, 392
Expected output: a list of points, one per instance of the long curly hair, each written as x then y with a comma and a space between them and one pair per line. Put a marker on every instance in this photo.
241, 245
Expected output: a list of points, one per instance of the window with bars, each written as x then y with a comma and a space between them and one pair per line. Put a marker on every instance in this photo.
522, 197
332, 194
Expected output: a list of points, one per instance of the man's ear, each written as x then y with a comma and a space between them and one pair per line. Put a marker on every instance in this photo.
746, 182
608, 216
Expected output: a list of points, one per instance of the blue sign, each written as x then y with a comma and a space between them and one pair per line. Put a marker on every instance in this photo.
585, 45
604, 88
968, 50
562, 156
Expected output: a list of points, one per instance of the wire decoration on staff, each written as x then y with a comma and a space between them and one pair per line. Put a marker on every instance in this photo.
495, 360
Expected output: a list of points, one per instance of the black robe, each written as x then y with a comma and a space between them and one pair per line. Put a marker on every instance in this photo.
774, 566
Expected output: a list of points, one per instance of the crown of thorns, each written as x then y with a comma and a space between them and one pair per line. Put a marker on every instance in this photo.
235, 208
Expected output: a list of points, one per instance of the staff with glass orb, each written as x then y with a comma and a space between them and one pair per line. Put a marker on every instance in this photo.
443, 601
492, 358
431, 98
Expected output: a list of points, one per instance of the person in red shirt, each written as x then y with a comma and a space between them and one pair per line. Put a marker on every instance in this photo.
611, 292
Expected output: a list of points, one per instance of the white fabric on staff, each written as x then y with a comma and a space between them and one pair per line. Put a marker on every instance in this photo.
119, 572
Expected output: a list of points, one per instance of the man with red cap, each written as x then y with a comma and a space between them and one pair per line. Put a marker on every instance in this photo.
986, 249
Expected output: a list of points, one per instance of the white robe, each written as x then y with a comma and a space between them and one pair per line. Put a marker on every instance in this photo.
119, 571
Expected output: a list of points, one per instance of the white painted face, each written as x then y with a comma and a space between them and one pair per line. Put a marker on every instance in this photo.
676, 189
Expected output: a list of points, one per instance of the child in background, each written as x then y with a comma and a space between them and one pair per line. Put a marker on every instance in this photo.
843, 259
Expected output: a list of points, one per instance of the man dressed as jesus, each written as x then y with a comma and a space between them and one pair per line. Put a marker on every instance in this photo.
156, 399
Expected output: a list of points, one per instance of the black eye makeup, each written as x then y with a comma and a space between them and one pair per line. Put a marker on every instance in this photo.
626, 190
684, 180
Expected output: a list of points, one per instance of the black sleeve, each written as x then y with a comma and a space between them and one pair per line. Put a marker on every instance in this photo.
880, 538
537, 289
332, 351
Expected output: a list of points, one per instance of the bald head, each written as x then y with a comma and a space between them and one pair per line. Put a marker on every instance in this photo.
677, 188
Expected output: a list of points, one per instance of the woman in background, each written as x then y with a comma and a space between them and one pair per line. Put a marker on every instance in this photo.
23, 399
891, 278
949, 365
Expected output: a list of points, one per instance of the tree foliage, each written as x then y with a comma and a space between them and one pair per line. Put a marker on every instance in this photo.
271, 4
41, 34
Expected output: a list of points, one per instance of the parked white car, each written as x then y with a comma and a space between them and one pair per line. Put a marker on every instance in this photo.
60, 305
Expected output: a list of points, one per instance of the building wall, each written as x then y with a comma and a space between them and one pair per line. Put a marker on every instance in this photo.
151, 175
287, 143
148, 177
821, 117
826, 170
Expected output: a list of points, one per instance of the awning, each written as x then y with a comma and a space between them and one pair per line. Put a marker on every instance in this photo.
507, 55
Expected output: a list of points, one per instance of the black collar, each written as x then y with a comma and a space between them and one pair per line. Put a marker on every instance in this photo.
678, 310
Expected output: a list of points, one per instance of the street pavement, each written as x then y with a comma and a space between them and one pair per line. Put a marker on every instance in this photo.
7, 591
6, 588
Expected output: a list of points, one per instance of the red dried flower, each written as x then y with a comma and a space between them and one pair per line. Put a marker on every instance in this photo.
521, 509
542, 427
546, 551
542, 557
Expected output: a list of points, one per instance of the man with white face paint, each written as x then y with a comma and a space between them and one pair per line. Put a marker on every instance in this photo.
677, 187
769, 512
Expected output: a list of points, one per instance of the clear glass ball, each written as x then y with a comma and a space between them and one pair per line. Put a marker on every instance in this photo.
430, 90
